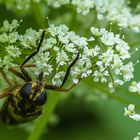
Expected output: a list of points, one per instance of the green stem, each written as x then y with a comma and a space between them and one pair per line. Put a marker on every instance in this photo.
73, 20
37, 14
44, 118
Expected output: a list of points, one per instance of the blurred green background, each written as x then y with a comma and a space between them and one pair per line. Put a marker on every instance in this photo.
83, 114
88, 121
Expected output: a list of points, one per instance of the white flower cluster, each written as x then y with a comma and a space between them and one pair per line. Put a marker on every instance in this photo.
137, 137
135, 87
18, 4
29, 39
58, 51
12, 44
118, 11
130, 111
83, 6
111, 62
9, 36
9, 27
105, 61
102, 56
112, 10
58, 3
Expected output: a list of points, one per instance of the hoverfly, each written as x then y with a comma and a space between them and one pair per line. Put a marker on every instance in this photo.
25, 102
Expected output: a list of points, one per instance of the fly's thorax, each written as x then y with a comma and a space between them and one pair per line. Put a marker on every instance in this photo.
34, 92
37, 89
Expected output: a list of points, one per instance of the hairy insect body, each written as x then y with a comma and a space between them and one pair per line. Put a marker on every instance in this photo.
24, 104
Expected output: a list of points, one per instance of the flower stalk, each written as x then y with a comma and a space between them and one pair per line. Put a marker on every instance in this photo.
44, 118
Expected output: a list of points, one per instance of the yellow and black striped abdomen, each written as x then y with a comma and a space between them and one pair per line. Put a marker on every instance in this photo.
17, 111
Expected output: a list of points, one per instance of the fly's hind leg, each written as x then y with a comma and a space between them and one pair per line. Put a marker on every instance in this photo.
7, 91
19, 74
5, 77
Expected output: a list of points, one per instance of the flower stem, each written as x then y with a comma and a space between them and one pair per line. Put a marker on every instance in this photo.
35, 7
73, 20
44, 118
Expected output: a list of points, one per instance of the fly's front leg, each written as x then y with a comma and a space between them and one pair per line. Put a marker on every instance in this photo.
24, 72
69, 69
59, 88
36, 51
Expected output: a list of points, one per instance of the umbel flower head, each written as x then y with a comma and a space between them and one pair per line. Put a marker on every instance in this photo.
102, 56
111, 60
116, 11
105, 61
111, 10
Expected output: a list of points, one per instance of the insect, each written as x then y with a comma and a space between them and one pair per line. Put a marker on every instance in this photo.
25, 102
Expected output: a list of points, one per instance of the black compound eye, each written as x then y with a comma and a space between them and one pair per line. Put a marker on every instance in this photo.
26, 90
41, 99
